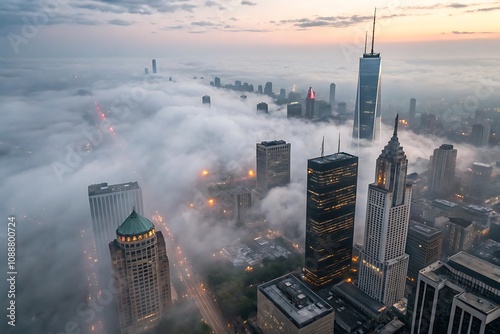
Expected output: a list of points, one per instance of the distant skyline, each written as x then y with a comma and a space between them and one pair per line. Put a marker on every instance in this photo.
75, 28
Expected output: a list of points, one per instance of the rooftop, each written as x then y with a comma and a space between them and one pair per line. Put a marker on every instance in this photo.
477, 268
295, 300
461, 222
372, 305
424, 229
481, 164
273, 143
479, 303
332, 157
104, 188
489, 251
445, 202
135, 224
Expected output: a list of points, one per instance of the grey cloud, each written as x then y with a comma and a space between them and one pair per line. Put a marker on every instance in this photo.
327, 21
202, 24
486, 9
177, 27
119, 22
471, 32
248, 3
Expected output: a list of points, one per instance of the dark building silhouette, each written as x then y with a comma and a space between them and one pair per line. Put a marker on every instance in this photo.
263, 108
268, 89
242, 199
259, 89
322, 109
412, 112
332, 95
294, 110
294, 96
342, 108
480, 182
424, 246
367, 107
146, 70
310, 103
205, 99
273, 165
442, 180
154, 65
217, 82
331, 206
283, 93
480, 135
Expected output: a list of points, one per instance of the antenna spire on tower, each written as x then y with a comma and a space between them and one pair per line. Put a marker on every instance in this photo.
373, 31
395, 133
323, 147
338, 150
366, 37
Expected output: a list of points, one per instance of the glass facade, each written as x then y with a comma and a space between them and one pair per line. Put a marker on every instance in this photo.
367, 108
331, 204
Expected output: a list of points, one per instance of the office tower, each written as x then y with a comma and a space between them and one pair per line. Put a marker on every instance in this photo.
217, 81
140, 274
322, 109
428, 122
259, 89
332, 94
154, 65
423, 245
268, 89
342, 108
285, 305
459, 296
331, 204
283, 93
383, 262
242, 199
480, 135
263, 108
442, 180
273, 165
461, 235
109, 206
146, 70
310, 102
480, 182
206, 100
294, 110
237, 84
367, 108
294, 96
412, 112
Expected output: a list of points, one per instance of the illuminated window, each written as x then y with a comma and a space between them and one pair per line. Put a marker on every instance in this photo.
128, 238
134, 238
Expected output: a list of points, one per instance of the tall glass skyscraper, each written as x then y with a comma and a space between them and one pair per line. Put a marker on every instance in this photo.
367, 108
273, 165
331, 205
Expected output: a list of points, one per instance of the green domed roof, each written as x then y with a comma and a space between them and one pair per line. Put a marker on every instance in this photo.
135, 224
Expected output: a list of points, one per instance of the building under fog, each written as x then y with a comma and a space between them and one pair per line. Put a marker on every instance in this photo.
140, 274
273, 165
442, 181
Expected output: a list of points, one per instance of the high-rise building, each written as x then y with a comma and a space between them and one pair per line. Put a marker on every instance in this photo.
480, 182
286, 305
424, 245
331, 205
109, 206
259, 89
140, 274
332, 94
263, 108
153, 63
294, 96
294, 110
342, 108
461, 235
217, 82
310, 102
146, 70
283, 93
480, 135
367, 108
205, 99
412, 112
273, 165
459, 296
383, 262
268, 89
242, 199
442, 180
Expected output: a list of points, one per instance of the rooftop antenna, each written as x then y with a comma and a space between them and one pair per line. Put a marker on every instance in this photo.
396, 125
323, 147
373, 31
366, 37
338, 151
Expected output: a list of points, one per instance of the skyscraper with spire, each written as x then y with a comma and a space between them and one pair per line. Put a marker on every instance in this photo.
383, 262
310, 101
367, 107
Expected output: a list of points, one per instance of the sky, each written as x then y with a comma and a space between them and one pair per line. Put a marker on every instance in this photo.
130, 27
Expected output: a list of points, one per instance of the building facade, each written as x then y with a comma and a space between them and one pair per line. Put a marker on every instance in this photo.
443, 166
424, 245
273, 165
140, 274
330, 211
310, 104
109, 206
383, 261
286, 306
242, 199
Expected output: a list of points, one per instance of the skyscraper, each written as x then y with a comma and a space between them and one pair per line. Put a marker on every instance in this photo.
310, 101
383, 262
442, 181
205, 99
367, 108
146, 70
140, 274
283, 93
273, 165
259, 89
217, 82
294, 110
332, 95
268, 89
263, 108
480, 182
480, 135
424, 245
331, 205
412, 112
154, 65
342, 108
242, 199
109, 206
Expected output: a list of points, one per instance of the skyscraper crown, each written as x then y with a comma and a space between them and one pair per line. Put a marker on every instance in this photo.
393, 150
135, 225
